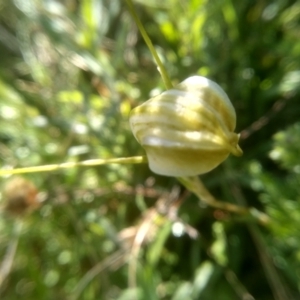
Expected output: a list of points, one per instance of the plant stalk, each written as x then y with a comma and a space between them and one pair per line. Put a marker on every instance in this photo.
69, 165
161, 67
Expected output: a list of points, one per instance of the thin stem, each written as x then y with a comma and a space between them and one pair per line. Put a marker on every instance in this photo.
69, 165
8, 259
237, 285
116, 260
195, 185
277, 286
162, 70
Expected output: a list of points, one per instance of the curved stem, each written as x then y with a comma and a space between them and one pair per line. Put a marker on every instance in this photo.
195, 185
162, 70
117, 259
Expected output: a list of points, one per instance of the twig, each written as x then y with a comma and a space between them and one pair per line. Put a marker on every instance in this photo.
117, 258
266, 118
8, 259
238, 287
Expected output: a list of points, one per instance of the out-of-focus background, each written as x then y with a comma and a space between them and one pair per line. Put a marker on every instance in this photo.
70, 72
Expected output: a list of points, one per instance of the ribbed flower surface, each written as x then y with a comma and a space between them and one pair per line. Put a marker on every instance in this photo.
187, 130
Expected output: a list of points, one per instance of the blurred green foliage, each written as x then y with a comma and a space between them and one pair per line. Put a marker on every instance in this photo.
70, 72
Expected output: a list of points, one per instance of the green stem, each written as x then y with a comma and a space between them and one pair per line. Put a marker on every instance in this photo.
69, 165
162, 70
196, 186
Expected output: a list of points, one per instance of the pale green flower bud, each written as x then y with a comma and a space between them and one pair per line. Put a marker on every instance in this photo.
187, 130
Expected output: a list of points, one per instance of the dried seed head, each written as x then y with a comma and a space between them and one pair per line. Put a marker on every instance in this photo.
20, 196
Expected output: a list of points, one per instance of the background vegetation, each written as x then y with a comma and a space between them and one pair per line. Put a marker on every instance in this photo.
70, 72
